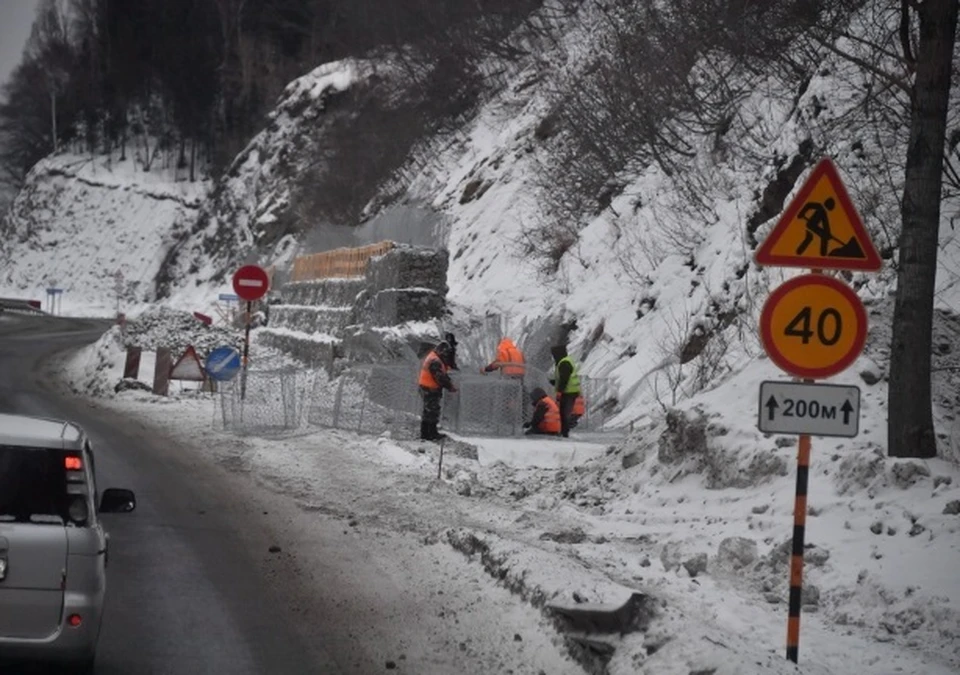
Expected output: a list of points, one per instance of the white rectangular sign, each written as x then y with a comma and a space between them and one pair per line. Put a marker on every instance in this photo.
809, 408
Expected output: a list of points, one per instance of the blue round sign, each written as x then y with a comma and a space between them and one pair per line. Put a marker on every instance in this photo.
223, 363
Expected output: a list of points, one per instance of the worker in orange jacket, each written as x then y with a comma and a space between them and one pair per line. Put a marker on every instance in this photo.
509, 361
434, 378
546, 414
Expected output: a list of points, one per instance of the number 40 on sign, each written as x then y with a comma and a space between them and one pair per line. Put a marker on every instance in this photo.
813, 326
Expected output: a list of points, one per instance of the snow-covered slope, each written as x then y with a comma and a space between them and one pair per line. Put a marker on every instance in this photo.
652, 275
660, 296
80, 221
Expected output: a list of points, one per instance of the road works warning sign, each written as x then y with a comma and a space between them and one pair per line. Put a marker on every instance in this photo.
821, 228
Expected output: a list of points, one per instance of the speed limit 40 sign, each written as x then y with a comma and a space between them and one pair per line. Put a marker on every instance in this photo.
813, 326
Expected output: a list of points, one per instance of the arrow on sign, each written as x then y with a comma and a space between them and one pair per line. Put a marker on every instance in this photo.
771, 406
846, 409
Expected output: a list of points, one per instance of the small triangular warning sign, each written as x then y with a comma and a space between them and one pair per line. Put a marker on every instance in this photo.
821, 228
188, 367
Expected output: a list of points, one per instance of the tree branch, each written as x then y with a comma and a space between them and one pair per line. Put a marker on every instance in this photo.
905, 35
866, 65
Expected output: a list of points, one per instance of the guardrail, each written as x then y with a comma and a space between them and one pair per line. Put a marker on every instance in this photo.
20, 306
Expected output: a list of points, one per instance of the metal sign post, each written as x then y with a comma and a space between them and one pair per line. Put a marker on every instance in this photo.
796, 550
55, 301
813, 326
246, 351
249, 283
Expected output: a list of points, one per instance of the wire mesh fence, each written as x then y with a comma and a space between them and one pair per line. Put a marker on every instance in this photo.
486, 405
268, 402
373, 399
370, 399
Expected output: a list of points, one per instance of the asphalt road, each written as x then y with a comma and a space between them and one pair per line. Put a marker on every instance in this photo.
187, 592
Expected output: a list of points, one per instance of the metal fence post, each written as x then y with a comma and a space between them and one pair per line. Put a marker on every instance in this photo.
363, 406
336, 403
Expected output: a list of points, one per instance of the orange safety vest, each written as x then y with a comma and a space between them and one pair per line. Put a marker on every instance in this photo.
510, 358
579, 405
427, 380
550, 424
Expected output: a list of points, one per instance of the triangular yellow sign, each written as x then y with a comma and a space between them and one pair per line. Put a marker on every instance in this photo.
821, 228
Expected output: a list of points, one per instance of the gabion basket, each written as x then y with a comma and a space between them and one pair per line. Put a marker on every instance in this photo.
267, 402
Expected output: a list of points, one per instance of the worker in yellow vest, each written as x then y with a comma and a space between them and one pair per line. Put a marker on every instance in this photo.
566, 379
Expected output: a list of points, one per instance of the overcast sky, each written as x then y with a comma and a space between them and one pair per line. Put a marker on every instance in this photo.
16, 17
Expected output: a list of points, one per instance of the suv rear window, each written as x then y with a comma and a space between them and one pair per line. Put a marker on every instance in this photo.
33, 485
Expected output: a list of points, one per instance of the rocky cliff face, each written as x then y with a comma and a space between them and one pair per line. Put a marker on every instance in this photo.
249, 214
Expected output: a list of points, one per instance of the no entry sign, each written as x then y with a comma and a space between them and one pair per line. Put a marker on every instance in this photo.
251, 282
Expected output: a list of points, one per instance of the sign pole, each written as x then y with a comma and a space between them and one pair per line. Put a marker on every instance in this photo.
813, 327
249, 283
796, 558
246, 352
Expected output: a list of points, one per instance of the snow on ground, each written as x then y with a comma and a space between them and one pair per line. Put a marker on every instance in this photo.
548, 453
695, 514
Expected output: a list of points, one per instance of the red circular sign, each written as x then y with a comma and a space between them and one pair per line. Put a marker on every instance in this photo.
813, 326
251, 282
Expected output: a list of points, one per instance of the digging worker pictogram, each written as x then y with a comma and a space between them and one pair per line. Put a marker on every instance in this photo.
817, 217
818, 225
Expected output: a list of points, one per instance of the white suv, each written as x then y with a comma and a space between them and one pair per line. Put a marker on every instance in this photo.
53, 550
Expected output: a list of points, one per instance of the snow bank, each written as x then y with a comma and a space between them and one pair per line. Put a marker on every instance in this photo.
548, 453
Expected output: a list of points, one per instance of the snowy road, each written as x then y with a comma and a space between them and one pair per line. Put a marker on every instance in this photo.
186, 589
216, 574
382, 566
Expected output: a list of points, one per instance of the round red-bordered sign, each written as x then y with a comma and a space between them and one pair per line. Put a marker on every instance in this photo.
251, 282
813, 326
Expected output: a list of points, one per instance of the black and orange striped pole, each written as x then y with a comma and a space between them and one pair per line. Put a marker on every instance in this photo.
796, 557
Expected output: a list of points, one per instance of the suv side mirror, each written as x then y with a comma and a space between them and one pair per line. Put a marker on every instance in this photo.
117, 500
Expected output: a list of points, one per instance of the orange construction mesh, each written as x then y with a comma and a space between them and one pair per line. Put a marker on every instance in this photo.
339, 263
